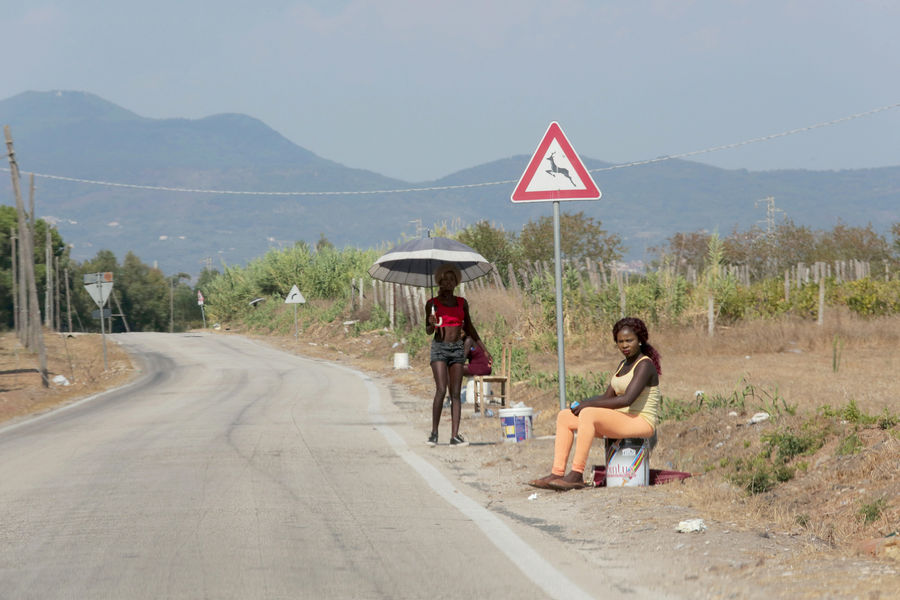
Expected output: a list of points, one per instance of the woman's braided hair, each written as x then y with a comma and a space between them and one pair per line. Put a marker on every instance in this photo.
640, 330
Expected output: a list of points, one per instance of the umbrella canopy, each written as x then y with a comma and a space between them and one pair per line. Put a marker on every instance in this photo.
414, 262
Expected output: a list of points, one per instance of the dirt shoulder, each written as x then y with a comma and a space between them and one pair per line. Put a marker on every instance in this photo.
75, 366
774, 545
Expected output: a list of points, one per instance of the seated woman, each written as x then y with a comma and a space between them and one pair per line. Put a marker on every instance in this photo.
628, 408
477, 362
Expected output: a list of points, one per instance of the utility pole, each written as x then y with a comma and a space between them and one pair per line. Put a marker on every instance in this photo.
57, 326
27, 248
68, 302
121, 312
48, 292
15, 292
770, 231
172, 305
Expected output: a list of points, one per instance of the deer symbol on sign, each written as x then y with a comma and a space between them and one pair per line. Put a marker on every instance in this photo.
554, 169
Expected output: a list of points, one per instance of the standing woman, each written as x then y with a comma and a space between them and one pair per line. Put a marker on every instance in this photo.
447, 317
628, 408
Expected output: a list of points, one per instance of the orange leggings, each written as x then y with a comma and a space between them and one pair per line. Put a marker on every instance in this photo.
592, 422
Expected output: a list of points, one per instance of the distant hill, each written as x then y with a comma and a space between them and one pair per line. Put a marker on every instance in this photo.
81, 136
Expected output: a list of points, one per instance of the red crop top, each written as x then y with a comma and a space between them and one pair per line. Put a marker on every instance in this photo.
449, 316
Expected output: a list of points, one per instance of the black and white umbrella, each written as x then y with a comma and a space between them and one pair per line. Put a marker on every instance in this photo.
414, 262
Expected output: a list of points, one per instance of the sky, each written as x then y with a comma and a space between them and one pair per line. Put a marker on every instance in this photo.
417, 89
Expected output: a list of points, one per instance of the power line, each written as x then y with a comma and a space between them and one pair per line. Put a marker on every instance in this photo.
756, 140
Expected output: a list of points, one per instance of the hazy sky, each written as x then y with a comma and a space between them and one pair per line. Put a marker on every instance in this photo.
418, 89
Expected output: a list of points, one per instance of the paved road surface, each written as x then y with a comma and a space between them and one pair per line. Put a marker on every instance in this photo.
232, 470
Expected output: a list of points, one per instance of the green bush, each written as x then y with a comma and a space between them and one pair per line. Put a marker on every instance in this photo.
870, 297
578, 387
850, 444
788, 443
871, 511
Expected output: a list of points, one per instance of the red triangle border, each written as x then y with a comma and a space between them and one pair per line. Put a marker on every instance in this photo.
554, 132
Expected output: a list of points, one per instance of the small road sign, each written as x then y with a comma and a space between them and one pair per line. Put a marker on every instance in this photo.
99, 285
555, 172
199, 298
295, 297
107, 313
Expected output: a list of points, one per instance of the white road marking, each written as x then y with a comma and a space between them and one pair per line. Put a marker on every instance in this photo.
533, 566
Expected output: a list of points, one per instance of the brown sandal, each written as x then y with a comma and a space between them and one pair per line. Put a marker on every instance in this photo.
544, 482
562, 485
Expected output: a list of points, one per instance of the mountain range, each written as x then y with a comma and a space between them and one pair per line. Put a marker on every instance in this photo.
71, 140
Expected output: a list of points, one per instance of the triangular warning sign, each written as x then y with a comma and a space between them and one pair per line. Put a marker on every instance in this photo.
555, 172
295, 297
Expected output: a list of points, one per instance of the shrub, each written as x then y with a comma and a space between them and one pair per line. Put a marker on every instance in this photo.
871, 511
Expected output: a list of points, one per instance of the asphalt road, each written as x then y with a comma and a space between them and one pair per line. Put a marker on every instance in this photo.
232, 470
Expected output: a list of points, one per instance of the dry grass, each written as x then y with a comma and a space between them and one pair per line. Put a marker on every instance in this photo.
834, 498
78, 357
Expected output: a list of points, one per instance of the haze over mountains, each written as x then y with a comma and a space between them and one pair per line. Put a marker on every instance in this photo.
81, 136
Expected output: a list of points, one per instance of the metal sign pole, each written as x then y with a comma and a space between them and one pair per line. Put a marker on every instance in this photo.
296, 326
566, 179
103, 334
560, 344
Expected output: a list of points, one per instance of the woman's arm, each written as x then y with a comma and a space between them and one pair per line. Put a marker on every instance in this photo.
429, 318
643, 372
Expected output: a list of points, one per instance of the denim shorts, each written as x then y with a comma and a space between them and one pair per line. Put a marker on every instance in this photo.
448, 352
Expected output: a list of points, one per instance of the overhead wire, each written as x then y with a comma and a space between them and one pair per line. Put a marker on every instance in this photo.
465, 185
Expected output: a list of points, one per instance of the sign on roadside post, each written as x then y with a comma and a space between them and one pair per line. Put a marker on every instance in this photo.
99, 286
200, 302
554, 173
295, 297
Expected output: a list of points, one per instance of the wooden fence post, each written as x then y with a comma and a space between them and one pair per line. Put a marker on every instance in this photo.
821, 317
498, 281
511, 276
391, 305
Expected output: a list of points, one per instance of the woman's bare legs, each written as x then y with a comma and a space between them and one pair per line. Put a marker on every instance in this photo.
455, 374
441, 376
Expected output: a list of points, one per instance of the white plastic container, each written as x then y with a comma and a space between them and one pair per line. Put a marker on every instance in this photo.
516, 423
627, 462
401, 360
468, 394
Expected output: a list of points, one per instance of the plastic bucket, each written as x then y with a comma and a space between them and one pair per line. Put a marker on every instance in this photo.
401, 360
516, 423
468, 393
627, 462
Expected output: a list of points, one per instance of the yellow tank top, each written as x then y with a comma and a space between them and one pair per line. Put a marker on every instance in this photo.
646, 404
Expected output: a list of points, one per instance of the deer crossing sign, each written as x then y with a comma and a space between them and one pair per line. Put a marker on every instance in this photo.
555, 172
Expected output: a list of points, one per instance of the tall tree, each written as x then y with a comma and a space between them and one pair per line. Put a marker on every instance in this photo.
686, 249
497, 246
145, 295
581, 237
845, 242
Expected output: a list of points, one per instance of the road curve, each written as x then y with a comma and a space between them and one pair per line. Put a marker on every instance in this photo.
233, 470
